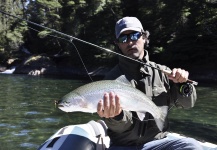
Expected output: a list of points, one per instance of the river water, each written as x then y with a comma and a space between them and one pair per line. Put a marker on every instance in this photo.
28, 115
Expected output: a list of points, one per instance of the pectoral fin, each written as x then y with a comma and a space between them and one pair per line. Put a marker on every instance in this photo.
123, 80
141, 115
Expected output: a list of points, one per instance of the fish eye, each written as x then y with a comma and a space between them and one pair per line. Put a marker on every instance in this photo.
67, 102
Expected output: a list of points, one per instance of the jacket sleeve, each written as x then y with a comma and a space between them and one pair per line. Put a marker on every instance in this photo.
120, 123
177, 98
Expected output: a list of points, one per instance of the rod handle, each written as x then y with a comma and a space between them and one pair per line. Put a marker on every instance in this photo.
168, 72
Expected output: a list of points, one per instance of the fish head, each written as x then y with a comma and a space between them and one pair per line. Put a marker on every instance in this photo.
73, 102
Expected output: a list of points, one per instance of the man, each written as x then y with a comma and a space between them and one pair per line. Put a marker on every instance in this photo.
125, 129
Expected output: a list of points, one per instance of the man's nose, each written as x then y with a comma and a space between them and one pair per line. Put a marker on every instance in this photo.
129, 41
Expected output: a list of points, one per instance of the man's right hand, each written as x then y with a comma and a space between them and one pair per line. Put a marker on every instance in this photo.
110, 106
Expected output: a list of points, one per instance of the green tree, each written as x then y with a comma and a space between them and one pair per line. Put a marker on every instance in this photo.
183, 31
44, 13
12, 30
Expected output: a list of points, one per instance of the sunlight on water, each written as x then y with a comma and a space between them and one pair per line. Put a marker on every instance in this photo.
29, 116
199, 121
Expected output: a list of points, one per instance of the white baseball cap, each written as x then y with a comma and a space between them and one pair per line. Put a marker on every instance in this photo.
127, 23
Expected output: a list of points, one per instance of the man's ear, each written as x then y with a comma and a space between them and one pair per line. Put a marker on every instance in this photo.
146, 41
144, 38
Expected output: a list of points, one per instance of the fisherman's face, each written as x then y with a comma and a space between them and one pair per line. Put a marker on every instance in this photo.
132, 48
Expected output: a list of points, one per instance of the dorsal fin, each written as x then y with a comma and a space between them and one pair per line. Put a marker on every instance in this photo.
122, 79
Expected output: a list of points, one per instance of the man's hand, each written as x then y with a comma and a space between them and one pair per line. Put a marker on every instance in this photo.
178, 75
110, 106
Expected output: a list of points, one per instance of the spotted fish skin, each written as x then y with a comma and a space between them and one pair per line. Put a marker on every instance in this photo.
85, 99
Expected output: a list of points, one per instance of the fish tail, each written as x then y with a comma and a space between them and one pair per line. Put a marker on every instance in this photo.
160, 121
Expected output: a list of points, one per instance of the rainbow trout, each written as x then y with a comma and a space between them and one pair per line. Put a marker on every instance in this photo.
86, 97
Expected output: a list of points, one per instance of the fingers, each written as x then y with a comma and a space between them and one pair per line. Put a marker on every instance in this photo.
110, 106
105, 105
100, 108
118, 105
179, 75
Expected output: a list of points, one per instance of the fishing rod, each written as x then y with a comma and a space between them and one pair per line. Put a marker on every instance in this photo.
71, 38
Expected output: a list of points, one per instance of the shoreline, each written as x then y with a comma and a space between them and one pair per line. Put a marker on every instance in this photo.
206, 77
42, 65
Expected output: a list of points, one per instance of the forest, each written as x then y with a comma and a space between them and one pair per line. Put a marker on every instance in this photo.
182, 33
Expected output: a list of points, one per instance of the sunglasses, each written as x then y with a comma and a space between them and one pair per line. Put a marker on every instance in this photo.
133, 36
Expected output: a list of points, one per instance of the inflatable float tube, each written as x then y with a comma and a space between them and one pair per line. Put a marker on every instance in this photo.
91, 136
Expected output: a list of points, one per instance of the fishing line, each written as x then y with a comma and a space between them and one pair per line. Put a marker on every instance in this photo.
48, 34
82, 61
71, 38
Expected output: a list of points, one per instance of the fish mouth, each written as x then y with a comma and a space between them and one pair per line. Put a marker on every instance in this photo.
60, 105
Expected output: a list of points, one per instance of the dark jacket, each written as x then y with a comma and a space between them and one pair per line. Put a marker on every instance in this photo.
126, 129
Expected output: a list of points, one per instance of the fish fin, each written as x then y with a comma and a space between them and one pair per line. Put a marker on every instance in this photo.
122, 79
141, 115
160, 121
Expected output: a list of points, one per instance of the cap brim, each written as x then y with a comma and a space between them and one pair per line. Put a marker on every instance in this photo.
130, 28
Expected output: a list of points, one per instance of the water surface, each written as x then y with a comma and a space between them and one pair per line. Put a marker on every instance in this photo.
28, 115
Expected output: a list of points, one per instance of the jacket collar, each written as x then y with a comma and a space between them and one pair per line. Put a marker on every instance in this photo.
134, 69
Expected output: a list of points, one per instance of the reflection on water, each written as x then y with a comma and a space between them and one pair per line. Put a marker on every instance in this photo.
29, 117
201, 121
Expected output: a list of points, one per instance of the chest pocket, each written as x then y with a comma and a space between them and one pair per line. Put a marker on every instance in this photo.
156, 87
160, 94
